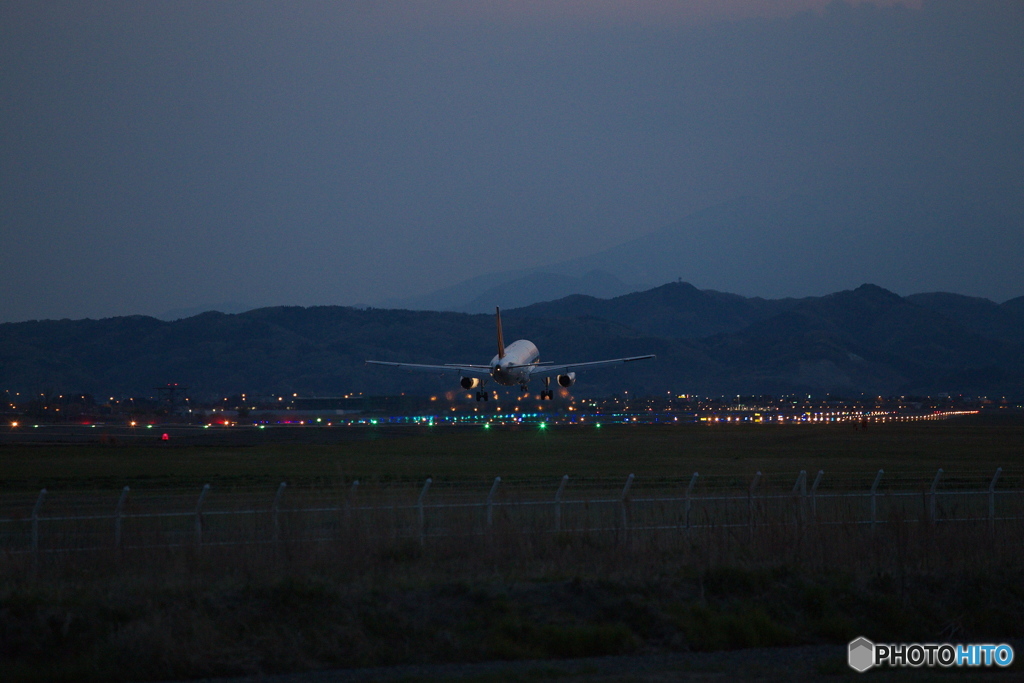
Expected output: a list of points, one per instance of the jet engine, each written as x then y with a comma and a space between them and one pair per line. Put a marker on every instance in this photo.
471, 383
566, 380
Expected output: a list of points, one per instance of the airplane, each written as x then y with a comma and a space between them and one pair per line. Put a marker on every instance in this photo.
514, 364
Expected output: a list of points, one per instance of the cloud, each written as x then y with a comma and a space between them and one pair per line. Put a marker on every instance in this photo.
588, 13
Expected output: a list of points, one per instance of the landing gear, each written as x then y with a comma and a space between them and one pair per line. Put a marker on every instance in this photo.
547, 393
482, 396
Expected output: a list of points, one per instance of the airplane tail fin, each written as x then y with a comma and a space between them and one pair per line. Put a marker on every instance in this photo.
501, 340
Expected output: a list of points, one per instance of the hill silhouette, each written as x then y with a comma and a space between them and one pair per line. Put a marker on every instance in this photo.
677, 310
712, 343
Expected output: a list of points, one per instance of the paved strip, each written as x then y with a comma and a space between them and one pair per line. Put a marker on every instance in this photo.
768, 664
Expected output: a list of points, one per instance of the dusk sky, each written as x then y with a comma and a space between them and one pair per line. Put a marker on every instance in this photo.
164, 155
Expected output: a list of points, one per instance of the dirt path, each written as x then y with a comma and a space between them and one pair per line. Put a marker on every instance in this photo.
805, 663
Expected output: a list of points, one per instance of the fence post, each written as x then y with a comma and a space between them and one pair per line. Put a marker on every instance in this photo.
750, 502
199, 516
992, 500
931, 497
689, 492
800, 487
490, 502
558, 502
419, 508
35, 528
814, 494
274, 510
117, 517
874, 490
624, 503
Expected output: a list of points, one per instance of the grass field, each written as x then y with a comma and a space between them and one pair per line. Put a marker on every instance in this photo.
178, 613
465, 453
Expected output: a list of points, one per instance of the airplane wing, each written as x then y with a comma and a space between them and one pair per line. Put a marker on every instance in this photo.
450, 369
540, 369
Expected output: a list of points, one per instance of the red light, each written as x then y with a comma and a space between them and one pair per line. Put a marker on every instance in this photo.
165, 437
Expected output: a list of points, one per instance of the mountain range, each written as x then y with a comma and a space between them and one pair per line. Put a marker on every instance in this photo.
866, 340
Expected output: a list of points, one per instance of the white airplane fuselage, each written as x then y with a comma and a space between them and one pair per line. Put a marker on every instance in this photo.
513, 368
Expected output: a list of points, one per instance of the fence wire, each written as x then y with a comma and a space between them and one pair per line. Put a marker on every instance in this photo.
69, 521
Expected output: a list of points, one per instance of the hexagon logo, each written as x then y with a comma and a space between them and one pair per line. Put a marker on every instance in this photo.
861, 654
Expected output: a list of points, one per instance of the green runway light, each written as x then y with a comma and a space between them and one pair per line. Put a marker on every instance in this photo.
598, 425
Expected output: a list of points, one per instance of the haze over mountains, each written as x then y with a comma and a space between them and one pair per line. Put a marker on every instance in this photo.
863, 340
803, 244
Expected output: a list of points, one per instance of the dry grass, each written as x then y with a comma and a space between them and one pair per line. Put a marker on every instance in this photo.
175, 613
